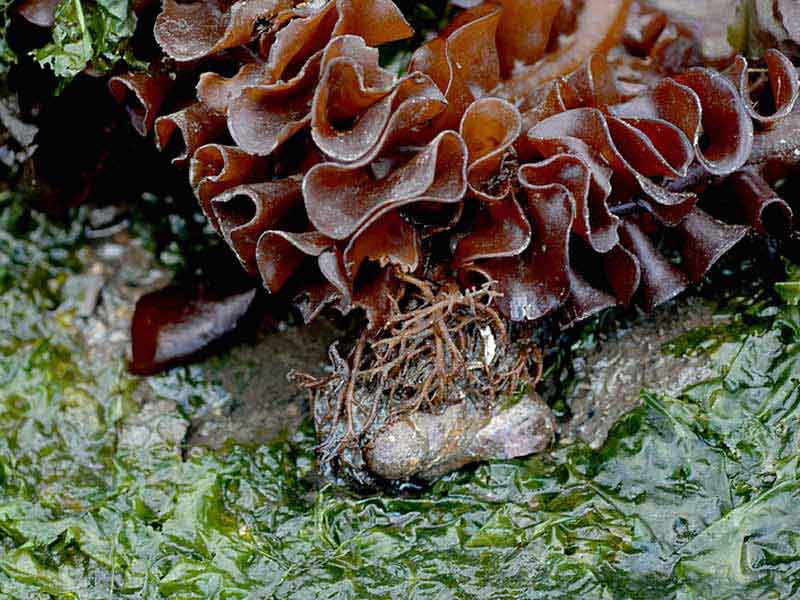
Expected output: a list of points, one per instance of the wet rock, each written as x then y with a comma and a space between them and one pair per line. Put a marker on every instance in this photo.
245, 394
118, 271
157, 424
84, 290
610, 378
263, 402
425, 445
11, 120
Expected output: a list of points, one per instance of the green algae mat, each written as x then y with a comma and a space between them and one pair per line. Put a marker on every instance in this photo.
694, 496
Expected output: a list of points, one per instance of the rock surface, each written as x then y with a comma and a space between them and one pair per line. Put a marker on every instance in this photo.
157, 424
247, 396
610, 378
425, 445
263, 401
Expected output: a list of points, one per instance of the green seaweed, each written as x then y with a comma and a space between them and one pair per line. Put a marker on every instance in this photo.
7, 56
89, 33
691, 497
97, 34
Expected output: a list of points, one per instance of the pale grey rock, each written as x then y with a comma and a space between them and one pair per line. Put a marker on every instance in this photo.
158, 423
263, 402
426, 445
611, 377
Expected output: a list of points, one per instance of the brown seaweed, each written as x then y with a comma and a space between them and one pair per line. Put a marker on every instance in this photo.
177, 322
545, 147
193, 30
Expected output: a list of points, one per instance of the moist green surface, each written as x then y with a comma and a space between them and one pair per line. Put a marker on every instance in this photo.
83, 32
691, 497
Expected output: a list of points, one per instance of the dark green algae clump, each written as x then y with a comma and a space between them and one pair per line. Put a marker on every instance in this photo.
690, 497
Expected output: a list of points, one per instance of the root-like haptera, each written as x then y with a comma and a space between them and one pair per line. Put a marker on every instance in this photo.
440, 347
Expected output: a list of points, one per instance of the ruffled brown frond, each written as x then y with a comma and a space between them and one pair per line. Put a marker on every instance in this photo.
600, 26
500, 230
389, 240
194, 30
182, 133
781, 83
142, 95
39, 12
279, 253
263, 117
216, 168
561, 150
341, 199
704, 240
660, 280
464, 63
752, 201
524, 31
245, 212
726, 126
536, 282
489, 127
218, 92
359, 107
376, 21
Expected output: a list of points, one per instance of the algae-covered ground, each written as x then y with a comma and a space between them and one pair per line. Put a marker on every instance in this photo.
692, 496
